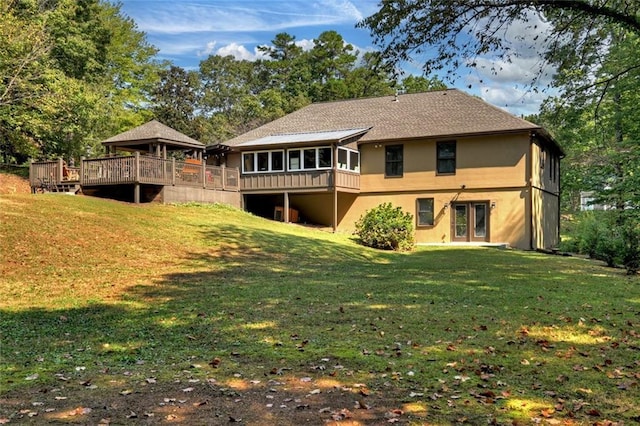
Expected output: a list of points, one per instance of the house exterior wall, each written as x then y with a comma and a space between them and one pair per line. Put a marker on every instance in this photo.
506, 224
496, 161
545, 209
545, 196
318, 207
489, 169
507, 172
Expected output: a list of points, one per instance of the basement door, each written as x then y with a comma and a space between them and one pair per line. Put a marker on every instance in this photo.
470, 222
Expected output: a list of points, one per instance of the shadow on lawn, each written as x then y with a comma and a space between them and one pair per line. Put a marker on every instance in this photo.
303, 329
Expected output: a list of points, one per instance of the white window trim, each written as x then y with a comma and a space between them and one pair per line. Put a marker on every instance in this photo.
317, 160
255, 161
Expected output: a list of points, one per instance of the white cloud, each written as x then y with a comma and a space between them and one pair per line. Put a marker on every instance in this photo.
208, 50
252, 15
305, 44
344, 8
518, 70
240, 52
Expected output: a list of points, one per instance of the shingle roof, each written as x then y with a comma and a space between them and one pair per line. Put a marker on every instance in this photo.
154, 130
431, 114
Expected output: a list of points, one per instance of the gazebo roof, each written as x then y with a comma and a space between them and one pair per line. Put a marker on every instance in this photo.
153, 132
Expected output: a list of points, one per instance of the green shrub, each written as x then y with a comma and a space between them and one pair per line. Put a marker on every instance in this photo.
611, 236
386, 227
630, 232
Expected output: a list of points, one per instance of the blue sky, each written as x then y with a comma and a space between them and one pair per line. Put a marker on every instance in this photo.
187, 31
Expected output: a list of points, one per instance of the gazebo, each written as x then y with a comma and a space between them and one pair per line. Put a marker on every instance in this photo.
150, 171
154, 138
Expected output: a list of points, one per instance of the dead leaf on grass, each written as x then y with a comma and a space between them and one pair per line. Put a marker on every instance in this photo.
341, 415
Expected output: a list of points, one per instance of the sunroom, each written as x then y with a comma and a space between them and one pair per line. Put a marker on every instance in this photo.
282, 169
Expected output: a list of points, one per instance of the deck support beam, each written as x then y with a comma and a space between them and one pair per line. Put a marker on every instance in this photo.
285, 214
334, 223
136, 193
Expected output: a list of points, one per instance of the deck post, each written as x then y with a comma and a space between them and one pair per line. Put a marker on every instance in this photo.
335, 188
137, 167
203, 172
32, 179
224, 176
59, 173
286, 208
173, 171
82, 170
136, 193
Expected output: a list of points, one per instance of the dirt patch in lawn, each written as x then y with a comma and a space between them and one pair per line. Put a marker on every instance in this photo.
12, 184
274, 400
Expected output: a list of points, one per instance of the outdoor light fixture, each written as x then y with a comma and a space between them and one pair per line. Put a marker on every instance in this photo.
493, 205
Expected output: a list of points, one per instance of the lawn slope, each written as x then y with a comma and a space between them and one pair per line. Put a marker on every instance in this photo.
115, 313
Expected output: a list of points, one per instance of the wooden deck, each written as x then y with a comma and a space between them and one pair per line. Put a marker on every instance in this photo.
134, 169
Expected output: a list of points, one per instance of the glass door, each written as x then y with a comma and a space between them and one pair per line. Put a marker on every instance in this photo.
470, 221
480, 222
460, 222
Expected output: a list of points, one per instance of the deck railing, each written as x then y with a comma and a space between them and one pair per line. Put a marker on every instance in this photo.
135, 169
45, 173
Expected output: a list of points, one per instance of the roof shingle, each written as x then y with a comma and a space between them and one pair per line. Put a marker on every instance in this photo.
154, 130
419, 115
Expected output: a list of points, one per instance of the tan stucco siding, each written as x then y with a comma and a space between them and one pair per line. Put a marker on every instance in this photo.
481, 162
234, 160
507, 220
545, 219
545, 168
318, 207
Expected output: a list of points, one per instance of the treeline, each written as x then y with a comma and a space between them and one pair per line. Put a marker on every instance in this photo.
75, 72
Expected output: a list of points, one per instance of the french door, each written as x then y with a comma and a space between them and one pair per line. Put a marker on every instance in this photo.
470, 221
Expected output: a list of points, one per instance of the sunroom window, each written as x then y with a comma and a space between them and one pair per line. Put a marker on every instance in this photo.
348, 159
316, 158
262, 161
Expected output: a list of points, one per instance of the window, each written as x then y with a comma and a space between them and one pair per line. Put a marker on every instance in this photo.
294, 160
348, 159
425, 211
263, 161
393, 161
324, 158
310, 158
248, 165
446, 154
277, 161
354, 161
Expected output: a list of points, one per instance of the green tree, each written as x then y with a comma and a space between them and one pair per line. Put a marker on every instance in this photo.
288, 70
599, 133
331, 62
371, 77
449, 35
417, 84
175, 99
73, 72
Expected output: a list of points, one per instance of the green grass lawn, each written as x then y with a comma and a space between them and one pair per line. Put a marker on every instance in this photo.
192, 314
